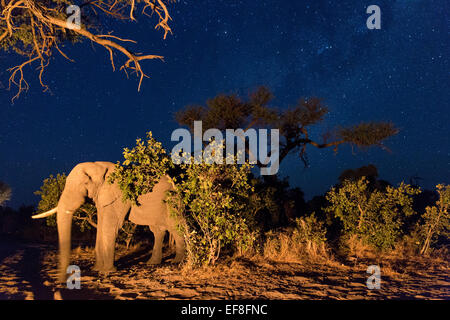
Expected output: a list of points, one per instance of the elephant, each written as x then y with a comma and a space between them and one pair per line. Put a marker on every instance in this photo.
88, 180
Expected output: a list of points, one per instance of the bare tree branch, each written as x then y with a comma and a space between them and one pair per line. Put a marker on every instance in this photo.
34, 29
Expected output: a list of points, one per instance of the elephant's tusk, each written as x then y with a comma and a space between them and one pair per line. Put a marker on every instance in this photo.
44, 215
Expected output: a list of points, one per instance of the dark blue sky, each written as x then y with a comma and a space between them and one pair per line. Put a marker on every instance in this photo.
298, 48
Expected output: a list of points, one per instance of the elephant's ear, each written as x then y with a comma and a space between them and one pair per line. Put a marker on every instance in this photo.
108, 194
94, 178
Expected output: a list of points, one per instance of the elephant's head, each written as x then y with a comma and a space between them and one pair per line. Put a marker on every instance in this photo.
84, 181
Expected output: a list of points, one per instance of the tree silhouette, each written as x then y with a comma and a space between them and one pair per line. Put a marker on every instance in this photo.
369, 171
35, 29
229, 111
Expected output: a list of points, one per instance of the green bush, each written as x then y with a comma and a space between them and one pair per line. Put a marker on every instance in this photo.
142, 168
276, 204
212, 203
375, 216
436, 219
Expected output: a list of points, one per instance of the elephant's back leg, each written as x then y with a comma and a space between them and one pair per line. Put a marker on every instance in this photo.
159, 234
180, 247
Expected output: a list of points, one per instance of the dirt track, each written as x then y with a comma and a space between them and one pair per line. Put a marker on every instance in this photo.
27, 272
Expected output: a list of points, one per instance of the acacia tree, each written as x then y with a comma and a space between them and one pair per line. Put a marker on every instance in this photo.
35, 29
229, 111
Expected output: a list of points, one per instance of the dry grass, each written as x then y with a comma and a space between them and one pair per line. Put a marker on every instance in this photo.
358, 249
284, 246
401, 260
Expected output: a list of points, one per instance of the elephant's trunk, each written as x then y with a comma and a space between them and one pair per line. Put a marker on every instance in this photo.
64, 222
70, 201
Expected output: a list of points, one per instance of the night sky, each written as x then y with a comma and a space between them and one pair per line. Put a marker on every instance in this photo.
297, 48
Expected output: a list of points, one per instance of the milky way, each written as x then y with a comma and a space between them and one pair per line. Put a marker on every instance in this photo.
298, 48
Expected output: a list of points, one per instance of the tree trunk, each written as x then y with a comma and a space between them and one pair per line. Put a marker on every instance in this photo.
361, 217
427, 242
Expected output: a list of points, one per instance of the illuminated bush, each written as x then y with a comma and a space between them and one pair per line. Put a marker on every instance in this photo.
436, 218
212, 203
374, 216
141, 169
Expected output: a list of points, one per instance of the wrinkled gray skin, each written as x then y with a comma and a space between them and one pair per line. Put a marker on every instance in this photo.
89, 180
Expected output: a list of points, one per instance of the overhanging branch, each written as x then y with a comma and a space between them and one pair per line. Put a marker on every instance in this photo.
46, 26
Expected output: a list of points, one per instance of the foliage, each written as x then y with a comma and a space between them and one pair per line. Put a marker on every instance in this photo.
367, 134
5, 193
275, 204
127, 233
142, 168
36, 29
436, 218
373, 215
267, 207
211, 202
295, 124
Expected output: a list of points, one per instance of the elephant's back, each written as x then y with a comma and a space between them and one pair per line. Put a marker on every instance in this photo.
158, 193
152, 209
109, 166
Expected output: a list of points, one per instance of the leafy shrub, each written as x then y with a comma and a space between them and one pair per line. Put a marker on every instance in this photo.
375, 216
212, 202
436, 218
142, 168
277, 205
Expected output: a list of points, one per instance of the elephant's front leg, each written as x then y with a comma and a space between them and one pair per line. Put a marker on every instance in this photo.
107, 228
98, 252
157, 246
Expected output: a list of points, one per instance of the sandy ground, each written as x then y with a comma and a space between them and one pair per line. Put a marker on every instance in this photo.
28, 272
